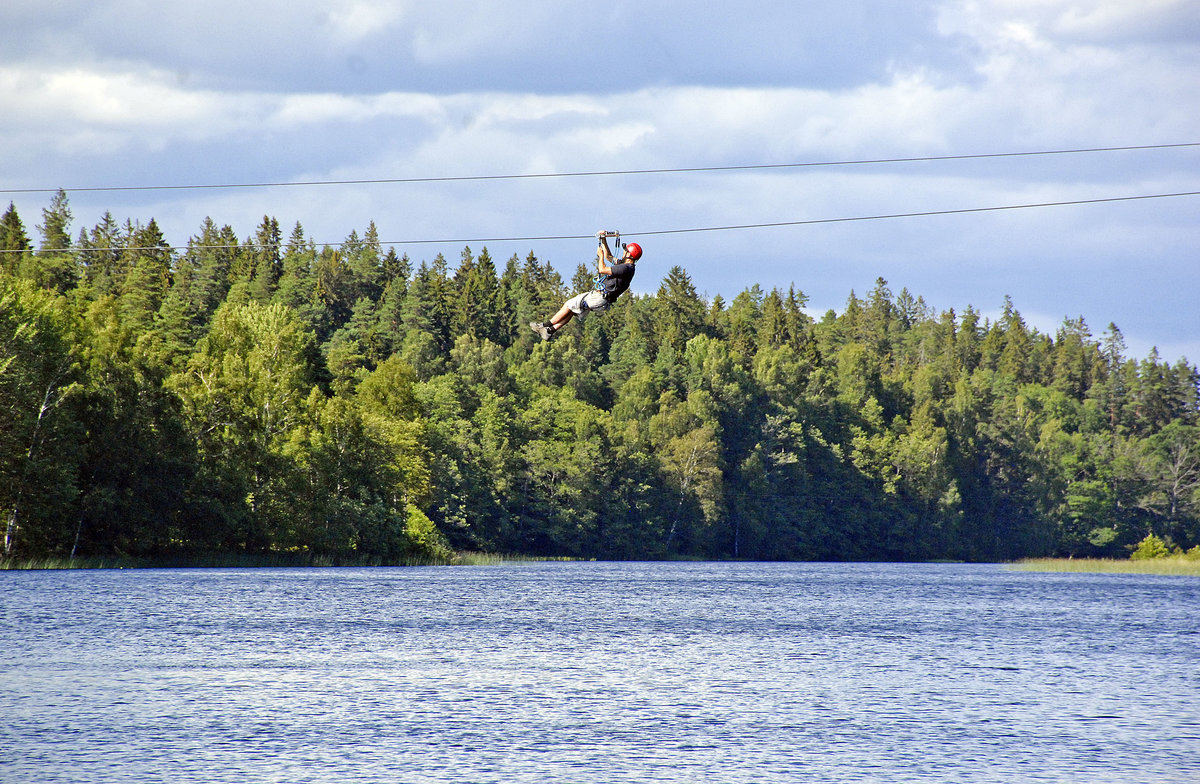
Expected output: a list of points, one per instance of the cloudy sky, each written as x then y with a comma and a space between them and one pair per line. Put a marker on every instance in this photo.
104, 94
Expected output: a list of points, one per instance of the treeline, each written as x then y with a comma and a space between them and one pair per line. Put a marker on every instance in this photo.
269, 395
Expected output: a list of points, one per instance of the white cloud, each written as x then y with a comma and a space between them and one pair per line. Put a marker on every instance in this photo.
1092, 96
1042, 82
315, 109
528, 109
52, 98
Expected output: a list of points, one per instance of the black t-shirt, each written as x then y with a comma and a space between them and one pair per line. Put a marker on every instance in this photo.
618, 280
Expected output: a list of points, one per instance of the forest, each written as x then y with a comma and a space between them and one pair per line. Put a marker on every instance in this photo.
350, 405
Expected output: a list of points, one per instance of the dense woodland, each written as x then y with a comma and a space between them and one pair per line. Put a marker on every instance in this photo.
269, 395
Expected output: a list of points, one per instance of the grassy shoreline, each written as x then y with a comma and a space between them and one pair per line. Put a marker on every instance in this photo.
1175, 565
1180, 566
243, 561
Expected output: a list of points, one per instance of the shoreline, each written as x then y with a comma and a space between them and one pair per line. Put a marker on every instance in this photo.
1174, 566
243, 561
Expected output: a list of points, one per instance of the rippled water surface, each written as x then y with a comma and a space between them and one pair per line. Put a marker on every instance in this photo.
578, 672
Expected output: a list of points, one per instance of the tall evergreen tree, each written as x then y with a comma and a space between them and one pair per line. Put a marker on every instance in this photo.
54, 266
101, 255
148, 258
55, 225
264, 253
14, 243
680, 313
1076, 358
479, 304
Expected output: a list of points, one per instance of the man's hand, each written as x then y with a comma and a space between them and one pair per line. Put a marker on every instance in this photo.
604, 256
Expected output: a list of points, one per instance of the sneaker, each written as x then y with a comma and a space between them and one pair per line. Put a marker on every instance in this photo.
542, 329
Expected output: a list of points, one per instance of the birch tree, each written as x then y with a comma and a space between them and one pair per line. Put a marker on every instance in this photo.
38, 376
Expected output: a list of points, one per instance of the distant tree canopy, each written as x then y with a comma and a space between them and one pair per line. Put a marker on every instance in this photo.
269, 395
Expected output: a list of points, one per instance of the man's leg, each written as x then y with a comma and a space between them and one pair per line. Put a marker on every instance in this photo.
561, 318
546, 329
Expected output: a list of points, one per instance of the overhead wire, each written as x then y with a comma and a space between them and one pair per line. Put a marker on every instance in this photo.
611, 173
655, 232
652, 232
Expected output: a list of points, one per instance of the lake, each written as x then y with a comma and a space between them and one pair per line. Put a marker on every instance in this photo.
599, 672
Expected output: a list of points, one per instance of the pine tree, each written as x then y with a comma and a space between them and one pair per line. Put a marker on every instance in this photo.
265, 258
797, 323
879, 321
178, 320
143, 290
334, 290
442, 295
1111, 393
467, 299
354, 350
1016, 345
489, 309
679, 312
365, 260
297, 287
101, 253
1076, 359
968, 349
774, 329
395, 267
391, 312
56, 221
54, 266
14, 243
211, 255
743, 319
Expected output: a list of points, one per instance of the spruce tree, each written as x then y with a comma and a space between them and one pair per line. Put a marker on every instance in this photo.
56, 221
14, 243
266, 260
54, 266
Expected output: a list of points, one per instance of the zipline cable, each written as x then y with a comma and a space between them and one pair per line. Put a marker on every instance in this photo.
916, 214
659, 232
815, 221
614, 173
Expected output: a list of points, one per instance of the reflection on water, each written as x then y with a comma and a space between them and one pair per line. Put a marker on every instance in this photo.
599, 672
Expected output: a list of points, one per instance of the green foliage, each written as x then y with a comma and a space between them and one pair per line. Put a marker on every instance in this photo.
139, 462
14, 242
269, 399
1150, 547
243, 393
40, 381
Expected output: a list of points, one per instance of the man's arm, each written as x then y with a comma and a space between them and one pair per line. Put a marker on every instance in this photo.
604, 257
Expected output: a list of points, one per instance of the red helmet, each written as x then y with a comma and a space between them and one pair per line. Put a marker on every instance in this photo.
634, 250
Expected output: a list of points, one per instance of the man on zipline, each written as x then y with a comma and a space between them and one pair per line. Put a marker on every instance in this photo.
610, 283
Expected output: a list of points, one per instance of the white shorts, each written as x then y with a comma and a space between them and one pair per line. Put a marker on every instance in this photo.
587, 302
